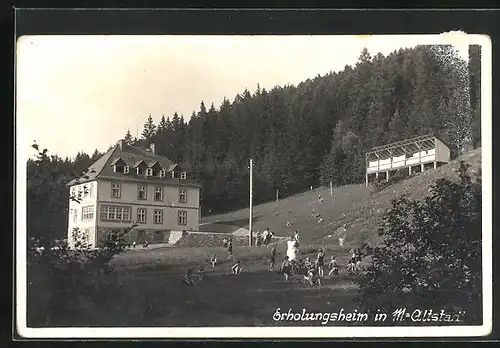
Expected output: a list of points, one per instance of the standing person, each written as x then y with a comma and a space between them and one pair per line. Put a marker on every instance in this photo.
350, 266
269, 238
358, 259
342, 236
272, 259
230, 249
264, 236
308, 264
258, 238
213, 260
224, 242
320, 262
292, 250
201, 272
333, 265
286, 268
352, 262
296, 236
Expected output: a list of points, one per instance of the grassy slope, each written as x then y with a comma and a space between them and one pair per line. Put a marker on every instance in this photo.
151, 293
355, 205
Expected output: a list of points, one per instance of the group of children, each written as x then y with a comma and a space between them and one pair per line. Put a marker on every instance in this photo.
312, 271
236, 268
263, 238
188, 277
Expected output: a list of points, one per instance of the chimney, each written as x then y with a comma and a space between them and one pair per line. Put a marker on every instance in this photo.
121, 144
152, 147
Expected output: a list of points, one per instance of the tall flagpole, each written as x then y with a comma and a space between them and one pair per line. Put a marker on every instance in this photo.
251, 206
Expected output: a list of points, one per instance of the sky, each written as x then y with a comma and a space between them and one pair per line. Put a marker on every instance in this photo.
81, 93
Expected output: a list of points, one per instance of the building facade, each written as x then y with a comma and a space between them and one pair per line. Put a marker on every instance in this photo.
414, 155
131, 186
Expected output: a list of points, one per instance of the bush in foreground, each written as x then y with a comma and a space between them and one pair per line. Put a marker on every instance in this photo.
431, 254
63, 282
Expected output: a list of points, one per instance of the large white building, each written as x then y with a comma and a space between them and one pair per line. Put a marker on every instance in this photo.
415, 154
130, 186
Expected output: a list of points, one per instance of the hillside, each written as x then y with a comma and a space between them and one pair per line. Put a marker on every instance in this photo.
355, 205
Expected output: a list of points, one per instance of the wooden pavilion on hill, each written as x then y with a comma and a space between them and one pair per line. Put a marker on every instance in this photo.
417, 154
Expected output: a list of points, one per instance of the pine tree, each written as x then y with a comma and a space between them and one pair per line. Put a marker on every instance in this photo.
128, 138
95, 156
162, 126
149, 129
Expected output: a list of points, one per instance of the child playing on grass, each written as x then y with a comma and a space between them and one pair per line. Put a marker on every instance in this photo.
258, 238
213, 260
286, 269
320, 198
308, 264
230, 249
237, 269
358, 260
333, 265
320, 262
296, 236
312, 277
187, 277
272, 259
201, 272
269, 238
351, 265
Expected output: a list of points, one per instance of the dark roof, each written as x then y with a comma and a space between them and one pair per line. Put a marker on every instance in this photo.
131, 156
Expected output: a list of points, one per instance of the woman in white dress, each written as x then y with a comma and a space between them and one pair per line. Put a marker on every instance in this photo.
292, 251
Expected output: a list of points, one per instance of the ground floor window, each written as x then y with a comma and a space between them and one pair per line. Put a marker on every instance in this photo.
158, 216
115, 213
182, 217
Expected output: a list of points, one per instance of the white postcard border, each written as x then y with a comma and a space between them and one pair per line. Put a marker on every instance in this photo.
454, 38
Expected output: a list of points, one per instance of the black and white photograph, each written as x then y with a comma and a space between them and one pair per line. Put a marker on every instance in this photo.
253, 186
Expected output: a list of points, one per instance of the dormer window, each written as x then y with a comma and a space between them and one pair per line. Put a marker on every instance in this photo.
126, 169
119, 165
119, 168
162, 173
140, 167
183, 175
149, 171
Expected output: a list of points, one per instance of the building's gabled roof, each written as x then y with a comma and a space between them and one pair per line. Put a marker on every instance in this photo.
155, 163
117, 160
138, 163
131, 156
95, 168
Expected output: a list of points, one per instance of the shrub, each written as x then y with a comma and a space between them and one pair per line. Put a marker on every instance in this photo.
431, 254
62, 280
